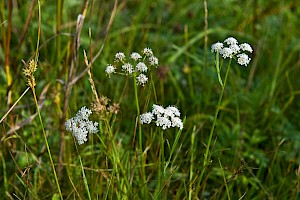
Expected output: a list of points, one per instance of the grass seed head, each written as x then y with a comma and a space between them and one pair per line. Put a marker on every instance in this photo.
28, 71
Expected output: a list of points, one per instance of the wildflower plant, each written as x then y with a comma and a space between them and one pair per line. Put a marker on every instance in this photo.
165, 118
138, 66
28, 71
232, 50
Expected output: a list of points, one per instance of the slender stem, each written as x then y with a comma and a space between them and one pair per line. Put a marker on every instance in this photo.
138, 112
225, 181
4, 116
173, 147
39, 33
193, 149
83, 174
161, 173
162, 162
36, 102
46, 142
207, 154
152, 86
218, 69
140, 131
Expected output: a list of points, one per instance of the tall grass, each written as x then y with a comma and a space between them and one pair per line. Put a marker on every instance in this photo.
240, 140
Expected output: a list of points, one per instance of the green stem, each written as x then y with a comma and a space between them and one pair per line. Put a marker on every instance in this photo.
46, 142
177, 137
218, 69
161, 173
225, 181
192, 160
138, 112
140, 130
37, 105
162, 141
153, 87
83, 174
207, 154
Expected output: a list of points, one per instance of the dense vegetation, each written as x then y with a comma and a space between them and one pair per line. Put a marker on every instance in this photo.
244, 145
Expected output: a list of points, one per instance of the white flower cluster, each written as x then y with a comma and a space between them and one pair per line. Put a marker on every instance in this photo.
233, 50
165, 117
137, 67
80, 125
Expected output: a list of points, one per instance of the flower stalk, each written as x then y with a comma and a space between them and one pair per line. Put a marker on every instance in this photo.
228, 49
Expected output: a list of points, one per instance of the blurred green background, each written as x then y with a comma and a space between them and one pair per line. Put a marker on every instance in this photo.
259, 118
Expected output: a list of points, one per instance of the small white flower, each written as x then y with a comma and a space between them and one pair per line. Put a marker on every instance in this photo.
81, 137
135, 56
141, 67
80, 125
158, 110
92, 127
79, 133
69, 125
246, 47
120, 57
243, 59
141, 79
110, 69
226, 52
84, 113
163, 122
231, 41
127, 67
176, 122
146, 118
173, 109
217, 47
235, 48
147, 51
153, 60
165, 117
168, 113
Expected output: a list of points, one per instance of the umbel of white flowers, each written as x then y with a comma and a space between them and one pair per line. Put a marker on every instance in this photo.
164, 117
137, 64
233, 50
80, 125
